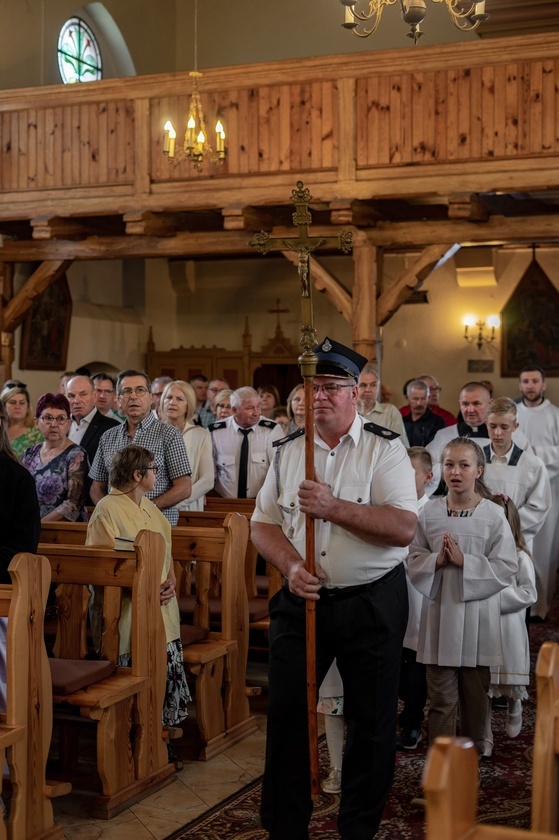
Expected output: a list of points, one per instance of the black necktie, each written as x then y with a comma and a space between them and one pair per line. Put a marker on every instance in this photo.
243, 465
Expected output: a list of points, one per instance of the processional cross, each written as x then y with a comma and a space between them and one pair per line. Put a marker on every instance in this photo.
304, 245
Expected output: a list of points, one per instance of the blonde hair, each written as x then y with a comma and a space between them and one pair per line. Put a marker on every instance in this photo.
423, 456
189, 395
13, 392
480, 486
502, 405
513, 517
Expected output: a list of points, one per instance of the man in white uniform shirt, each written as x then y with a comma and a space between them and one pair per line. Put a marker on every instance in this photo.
539, 420
383, 414
364, 504
242, 446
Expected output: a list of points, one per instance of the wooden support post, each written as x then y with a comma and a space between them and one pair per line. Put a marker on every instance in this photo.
363, 316
323, 281
41, 279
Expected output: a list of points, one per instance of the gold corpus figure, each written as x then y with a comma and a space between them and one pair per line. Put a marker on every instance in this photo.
304, 245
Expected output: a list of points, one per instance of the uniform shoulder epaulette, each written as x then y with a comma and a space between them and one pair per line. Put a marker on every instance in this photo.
297, 433
219, 424
269, 424
381, 431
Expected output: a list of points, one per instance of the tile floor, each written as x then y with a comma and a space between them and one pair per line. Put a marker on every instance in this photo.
199, 786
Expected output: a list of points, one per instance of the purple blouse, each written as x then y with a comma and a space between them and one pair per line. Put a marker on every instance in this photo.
60, 483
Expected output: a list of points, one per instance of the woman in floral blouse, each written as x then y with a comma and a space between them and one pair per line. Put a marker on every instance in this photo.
58, 466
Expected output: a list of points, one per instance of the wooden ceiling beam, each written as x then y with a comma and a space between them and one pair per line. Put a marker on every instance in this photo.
411, 280
389, 235
247, 218
467, 206
43, 276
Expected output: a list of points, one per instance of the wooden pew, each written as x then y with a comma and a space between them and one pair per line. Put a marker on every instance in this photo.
216, 666
131, 753
26, 725
545, 783
450, 783
218, 662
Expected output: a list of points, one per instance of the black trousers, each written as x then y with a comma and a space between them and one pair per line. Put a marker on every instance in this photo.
364, 633
413, 690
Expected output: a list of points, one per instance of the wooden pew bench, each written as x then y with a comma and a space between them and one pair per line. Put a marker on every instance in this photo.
212, 561
545, 782
216, 663
26, 725
126, 704
450, 784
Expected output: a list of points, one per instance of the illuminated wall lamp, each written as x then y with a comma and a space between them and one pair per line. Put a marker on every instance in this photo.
493, 322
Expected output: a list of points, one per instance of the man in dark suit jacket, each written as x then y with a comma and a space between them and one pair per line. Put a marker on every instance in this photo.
88, 424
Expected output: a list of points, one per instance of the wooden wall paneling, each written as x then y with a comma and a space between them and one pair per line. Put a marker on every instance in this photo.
465, 114
441, 116
549, 81
103, 164
40, 150
429, 116
22, 150
5, 148
232, 131
305, 140
535, 123
364, 137
58, 113
264, 132
487, 112
371, 127
476, 93
347, 127
284, 117
316, 160
397, 127
295, 127
160, 112
111, 142
130, 145
76, 157
384, 119
93, 147
32, 148
327, 128
523, 112
253, 141
66, 146
511, 113
50, 178
14, 150
141, 146
273, 129
120, 142
418, 104
453, 107
500, 71
243, 132
84, 144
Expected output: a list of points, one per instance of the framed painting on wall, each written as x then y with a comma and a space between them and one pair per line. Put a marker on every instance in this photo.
530, 325
46, 329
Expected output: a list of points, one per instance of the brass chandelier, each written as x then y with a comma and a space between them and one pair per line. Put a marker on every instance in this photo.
196, 146
465, 15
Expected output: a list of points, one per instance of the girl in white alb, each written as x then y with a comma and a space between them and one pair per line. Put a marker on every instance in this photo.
510, 678
462, 556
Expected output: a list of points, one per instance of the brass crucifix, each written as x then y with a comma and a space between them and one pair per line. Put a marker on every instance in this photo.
304, 245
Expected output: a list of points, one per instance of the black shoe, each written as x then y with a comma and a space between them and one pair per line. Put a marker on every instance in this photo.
410, 738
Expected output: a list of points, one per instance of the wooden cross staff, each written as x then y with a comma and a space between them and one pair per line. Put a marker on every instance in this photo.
304, 245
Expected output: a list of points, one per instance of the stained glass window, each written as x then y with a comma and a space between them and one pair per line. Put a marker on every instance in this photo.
79, 57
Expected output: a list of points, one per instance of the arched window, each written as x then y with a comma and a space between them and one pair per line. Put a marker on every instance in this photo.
79, 56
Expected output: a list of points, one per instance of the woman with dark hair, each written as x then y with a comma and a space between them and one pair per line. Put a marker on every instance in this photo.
22, 431
58, 465
269, 398
123, 513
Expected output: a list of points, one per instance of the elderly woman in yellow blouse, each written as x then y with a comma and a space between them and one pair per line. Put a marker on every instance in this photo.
123, 513
177, 407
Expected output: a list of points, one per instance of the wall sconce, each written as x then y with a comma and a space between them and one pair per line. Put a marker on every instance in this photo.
494, 322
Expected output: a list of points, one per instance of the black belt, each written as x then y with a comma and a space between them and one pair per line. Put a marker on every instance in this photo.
340, 593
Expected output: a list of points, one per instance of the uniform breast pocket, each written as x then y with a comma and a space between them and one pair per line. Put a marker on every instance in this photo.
225, 463
288, 502
358, 493
259, 458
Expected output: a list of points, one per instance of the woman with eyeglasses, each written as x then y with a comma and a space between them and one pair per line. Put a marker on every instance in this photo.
58, 465
177, 408
122, 514
22, 431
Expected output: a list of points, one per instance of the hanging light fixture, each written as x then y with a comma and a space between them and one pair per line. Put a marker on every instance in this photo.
465, 15
196, 145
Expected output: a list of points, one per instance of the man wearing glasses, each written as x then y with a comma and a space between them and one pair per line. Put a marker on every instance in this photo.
364, 504
173, 482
